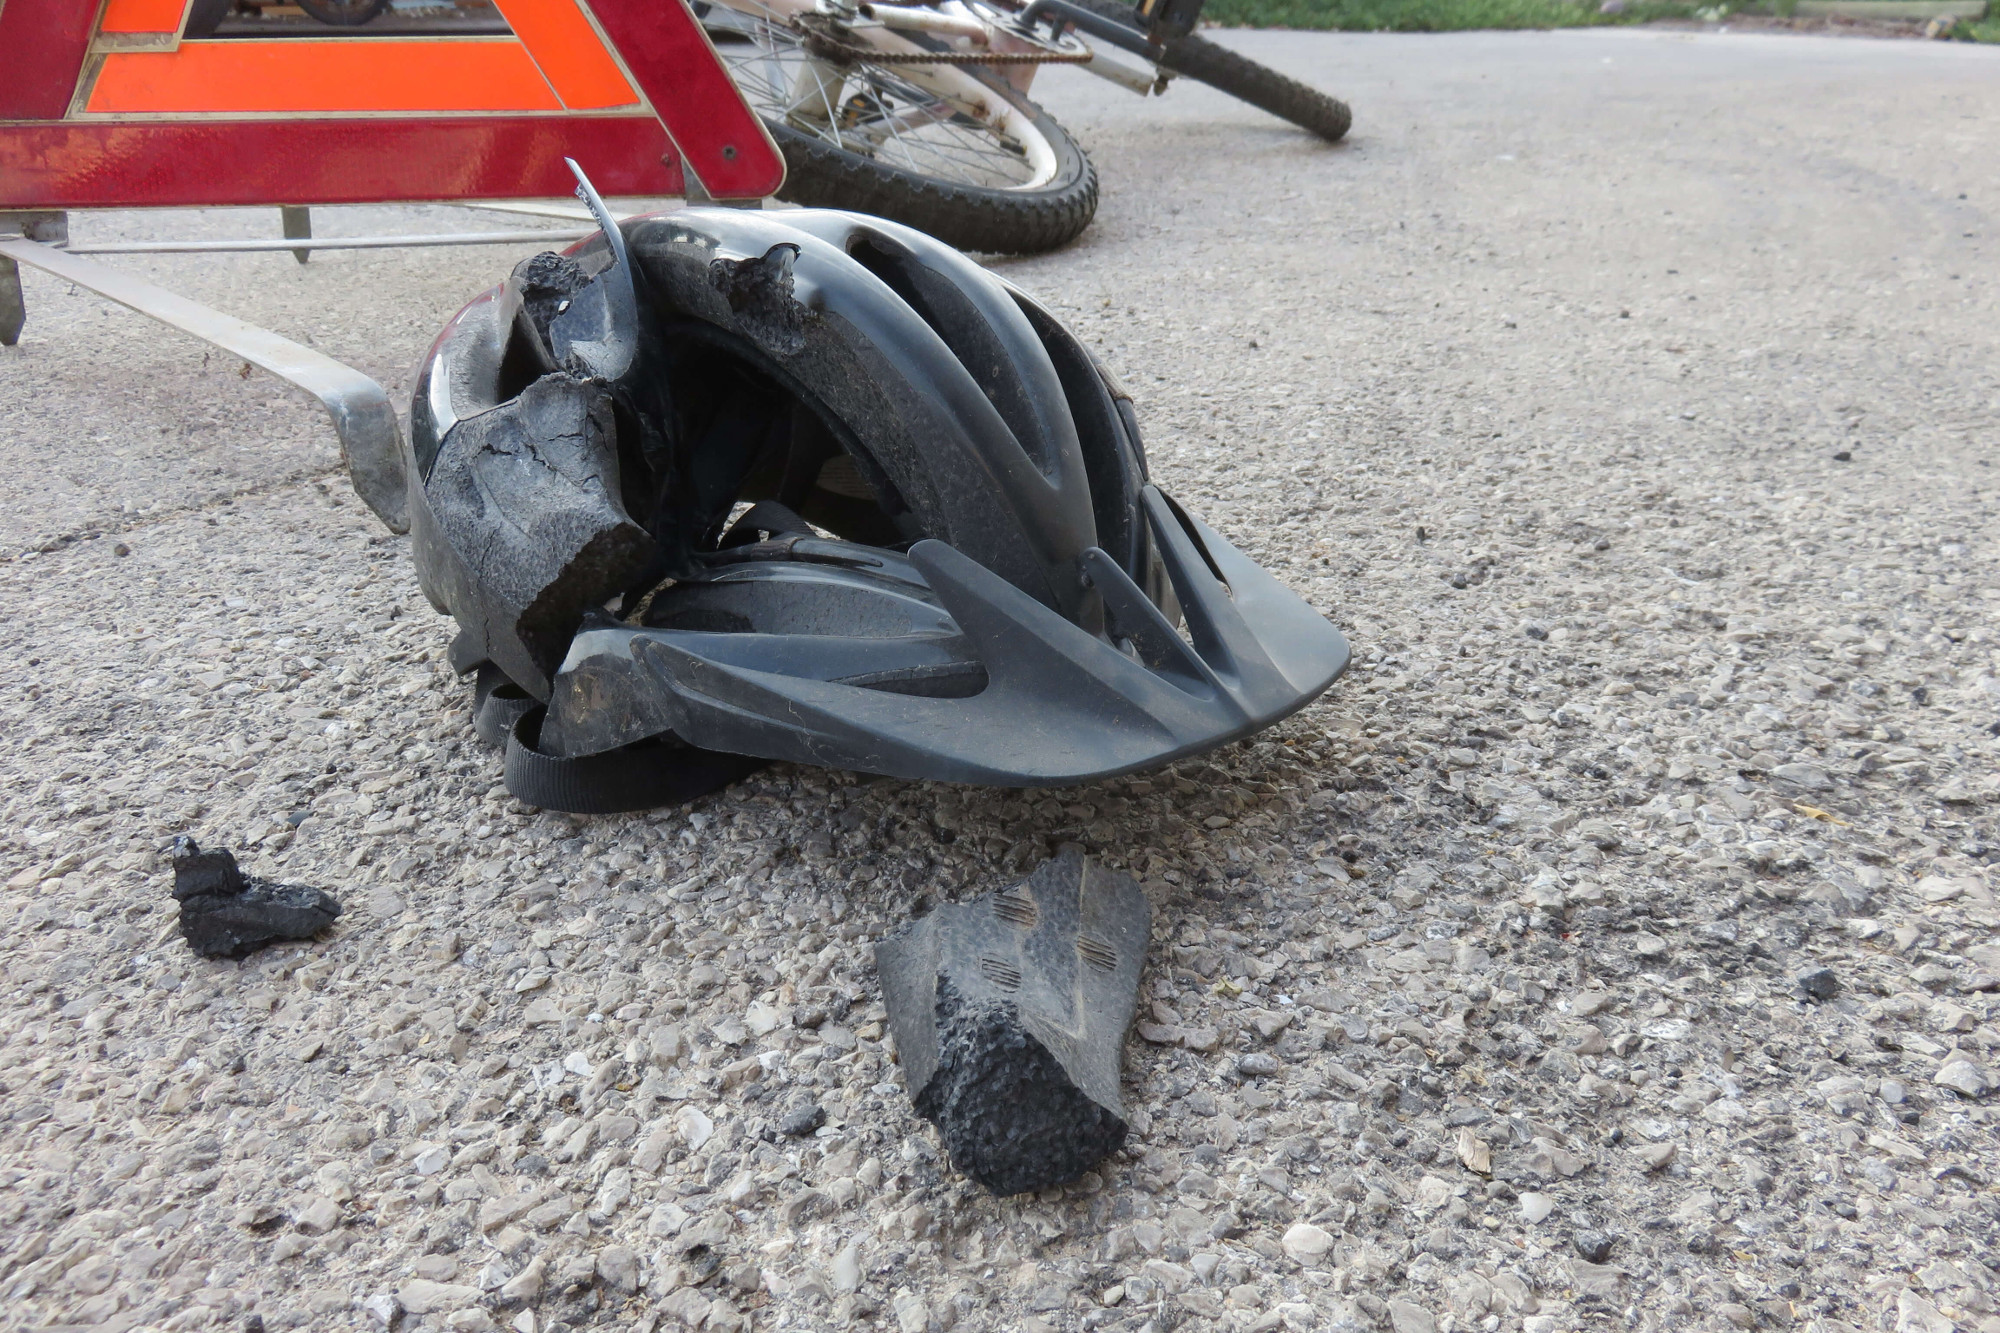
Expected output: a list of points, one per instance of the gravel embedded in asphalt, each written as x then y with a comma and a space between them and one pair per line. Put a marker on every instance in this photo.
1616, 941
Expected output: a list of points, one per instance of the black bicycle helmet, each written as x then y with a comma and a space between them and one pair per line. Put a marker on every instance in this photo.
724, 486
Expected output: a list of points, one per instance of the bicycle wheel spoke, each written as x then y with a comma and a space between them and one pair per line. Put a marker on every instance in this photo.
872, 110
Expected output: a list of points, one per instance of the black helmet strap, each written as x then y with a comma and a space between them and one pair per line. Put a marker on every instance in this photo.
766, 517
645, 775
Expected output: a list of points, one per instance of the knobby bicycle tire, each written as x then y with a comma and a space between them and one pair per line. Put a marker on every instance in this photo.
970, 217
1239, 76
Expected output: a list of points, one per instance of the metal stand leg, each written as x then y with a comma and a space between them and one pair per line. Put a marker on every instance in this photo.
52, 228
298, 220
371, 439
13, 309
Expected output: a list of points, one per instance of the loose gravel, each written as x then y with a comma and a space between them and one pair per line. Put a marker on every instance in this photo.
1617, 944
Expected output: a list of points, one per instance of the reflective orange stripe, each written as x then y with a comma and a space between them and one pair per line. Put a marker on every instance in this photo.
325, 75
142, 16
570, 53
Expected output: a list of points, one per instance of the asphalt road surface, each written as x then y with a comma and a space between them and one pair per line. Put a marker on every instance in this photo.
1620, 930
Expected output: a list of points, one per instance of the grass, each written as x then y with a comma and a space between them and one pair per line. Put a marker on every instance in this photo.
1460, 15
1430, 15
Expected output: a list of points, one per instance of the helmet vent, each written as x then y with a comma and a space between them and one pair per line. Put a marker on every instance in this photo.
1097, 953
1002, 974
970, 335
1016, 908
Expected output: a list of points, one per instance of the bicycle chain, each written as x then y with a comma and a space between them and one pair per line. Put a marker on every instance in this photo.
820, 44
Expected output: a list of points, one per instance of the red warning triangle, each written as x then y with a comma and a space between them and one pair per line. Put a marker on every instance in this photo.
134, 114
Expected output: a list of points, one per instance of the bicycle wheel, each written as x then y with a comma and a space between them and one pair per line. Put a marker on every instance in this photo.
944, 149
1259, 85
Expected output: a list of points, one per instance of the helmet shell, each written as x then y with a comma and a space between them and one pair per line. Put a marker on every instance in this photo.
954, 565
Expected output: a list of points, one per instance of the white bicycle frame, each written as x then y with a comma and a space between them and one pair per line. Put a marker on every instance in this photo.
967, 28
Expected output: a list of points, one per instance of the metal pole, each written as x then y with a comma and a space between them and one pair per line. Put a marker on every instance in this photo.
13, 307
33, 226
298, 223
252, 246
371, 441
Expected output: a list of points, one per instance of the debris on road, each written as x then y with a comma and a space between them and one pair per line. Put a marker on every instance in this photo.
227, 914
1010, 1014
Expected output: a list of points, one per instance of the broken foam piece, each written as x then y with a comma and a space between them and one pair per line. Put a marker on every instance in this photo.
1010, 1015
532, 485
227, 914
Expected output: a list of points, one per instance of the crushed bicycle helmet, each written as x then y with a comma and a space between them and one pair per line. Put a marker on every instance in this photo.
718, 487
